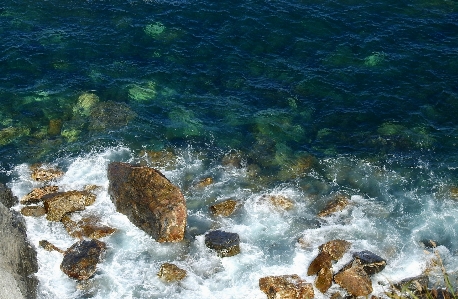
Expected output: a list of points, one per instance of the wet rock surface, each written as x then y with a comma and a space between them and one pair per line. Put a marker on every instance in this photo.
337, 204
36, 195
369, 261
149, 200
224, 243
81, 259
44, 174
33, 211
170, 272
60, 203
286, 287
89, 227
224, 208
355, 281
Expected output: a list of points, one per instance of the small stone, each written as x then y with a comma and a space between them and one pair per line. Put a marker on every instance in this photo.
286, 287
205, 182
335, 248
233, 159
323, 279
224, 208
54, 127
336, 205
86, 227
323, 260
35, 196
42, 174
170, 272
355, 280
33, 211
225, 244
81, 259
59, 203
49, 246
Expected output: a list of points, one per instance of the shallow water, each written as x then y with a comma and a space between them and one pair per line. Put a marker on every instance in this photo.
315, 97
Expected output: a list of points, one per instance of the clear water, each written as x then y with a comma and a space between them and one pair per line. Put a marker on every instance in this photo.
368, 89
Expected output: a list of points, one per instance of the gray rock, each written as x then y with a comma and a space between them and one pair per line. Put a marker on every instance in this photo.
6, 197
18, 259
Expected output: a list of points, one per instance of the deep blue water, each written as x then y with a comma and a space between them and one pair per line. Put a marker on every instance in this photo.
352, 82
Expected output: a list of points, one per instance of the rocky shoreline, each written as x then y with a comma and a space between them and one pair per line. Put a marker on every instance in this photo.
18, 258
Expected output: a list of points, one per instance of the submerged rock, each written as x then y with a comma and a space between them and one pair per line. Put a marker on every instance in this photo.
279, 201
224, 208
89, 227
81, 259
48, 246
106, 115
205, 182
44, 174
355, 281
170, 272
225, 244
59, 203
36, 195
33, 211
149, 200
286, 287
86, 102
339, 203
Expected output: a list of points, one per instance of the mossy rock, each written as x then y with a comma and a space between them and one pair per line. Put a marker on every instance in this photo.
143, 92
184, 124
86, 102
8, 135
107, 115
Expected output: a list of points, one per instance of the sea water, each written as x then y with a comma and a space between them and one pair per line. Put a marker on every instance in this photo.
313, 98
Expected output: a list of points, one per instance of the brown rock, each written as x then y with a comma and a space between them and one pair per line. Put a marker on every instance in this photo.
35, 196
205, 182
33, 211
49, 246
59, 203
369, 261
355, 280
81, 259
43, 174
336, 205
335, 248
286, 287
224, 208
233, 159
323, 260
54, 127
149, 200
279, 201
170, 272
86, 227
323, 279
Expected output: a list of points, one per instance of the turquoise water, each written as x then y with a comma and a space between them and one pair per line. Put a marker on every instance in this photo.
315, 97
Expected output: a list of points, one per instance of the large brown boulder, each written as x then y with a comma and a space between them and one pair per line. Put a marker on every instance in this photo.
286, 287
60, 203
149, 200
81, 259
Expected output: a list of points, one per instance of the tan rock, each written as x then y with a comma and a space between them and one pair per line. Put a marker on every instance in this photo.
33, 211
454, 192
36, 194
59, 203
224, 208
149, 200
279, 201
170, 272
355, 281
42, 174
286, 287
89, 227
336, 205
323, 260
205, 182
335, 248
323, 279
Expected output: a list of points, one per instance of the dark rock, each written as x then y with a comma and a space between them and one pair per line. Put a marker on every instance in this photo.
335, 205
224, 208
18, 259
54, 127
44, 174
233, 159
149, 200
414, 285
323, 279
60, 203
170, 272
286, 287
429, 244
89, 227
355, 281
33, 211
35, 196
322, 260
6, 197
81, 259
370, 262
335, 248
48, 246
224, 243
